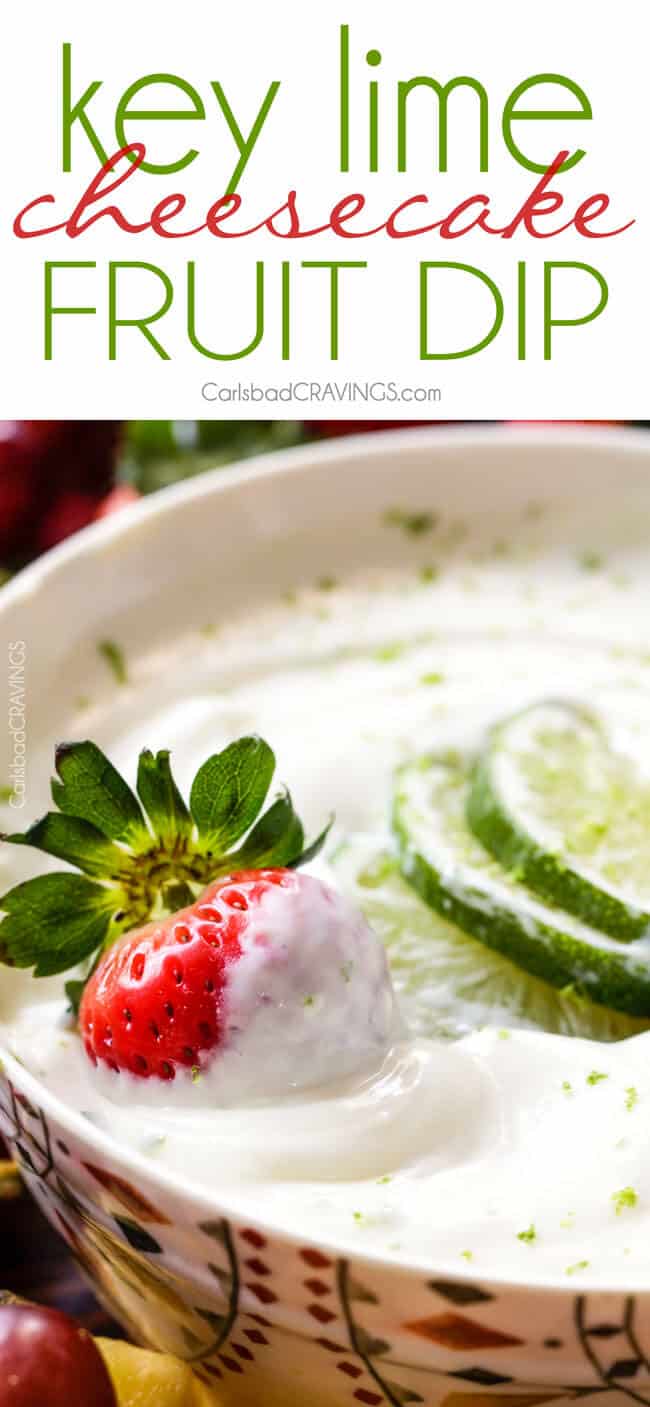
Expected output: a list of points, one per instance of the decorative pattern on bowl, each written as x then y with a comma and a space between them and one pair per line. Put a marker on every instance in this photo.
263, 1315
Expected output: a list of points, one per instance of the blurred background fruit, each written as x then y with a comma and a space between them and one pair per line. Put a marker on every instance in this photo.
46, 1358
58, 475
53, 476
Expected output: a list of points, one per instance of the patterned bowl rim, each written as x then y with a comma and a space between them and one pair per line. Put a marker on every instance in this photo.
300, 459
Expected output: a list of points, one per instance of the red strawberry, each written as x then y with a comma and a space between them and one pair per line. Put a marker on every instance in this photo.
270, 952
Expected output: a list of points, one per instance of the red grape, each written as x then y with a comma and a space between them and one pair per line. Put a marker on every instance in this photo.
46, 1360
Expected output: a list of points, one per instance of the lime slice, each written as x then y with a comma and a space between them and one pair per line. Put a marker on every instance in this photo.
555, 805
446, 864
449, 984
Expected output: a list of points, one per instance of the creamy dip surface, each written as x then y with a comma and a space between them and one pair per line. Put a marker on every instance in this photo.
479, 1142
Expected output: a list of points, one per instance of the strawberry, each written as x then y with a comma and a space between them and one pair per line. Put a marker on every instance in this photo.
155, 1001
167, 988
270, 970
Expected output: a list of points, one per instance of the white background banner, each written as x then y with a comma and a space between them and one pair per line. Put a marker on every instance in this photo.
103, 321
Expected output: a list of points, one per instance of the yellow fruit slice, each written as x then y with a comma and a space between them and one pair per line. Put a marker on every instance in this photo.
144, 1379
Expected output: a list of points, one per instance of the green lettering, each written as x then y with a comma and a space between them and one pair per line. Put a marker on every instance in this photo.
259, 317
245, 145
49, 307
194, 114
143, 323
510, 115
334, 266
549, 321
77, 113
403, 91
425, 354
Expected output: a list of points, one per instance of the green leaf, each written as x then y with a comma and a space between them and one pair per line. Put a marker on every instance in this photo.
54, 922
74, 992
91, 789
276, 839
75, 988
314, 848
60, 920
229, 790
161, 798
76, 841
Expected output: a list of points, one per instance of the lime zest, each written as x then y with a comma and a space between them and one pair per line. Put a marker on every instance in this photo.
624, 1198
113, 654
385, 654
414, 524
591, 561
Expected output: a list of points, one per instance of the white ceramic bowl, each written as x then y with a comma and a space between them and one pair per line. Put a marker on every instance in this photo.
273, 1319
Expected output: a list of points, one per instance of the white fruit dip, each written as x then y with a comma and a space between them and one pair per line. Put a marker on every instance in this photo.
508, 1149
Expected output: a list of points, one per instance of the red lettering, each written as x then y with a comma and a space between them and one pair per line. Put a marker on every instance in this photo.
95, 192
391, 226
284, 222
585, 214
532, 206
446, 231
167, 209
22, 233
222, 209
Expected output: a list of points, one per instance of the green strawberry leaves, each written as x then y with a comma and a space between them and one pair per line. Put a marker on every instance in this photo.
90, 788
141, 856
161, 798
312, 850
77, 841
54, 922
275, 839
229, 790
74, 991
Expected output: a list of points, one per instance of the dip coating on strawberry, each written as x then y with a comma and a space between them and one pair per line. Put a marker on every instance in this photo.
271, 981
